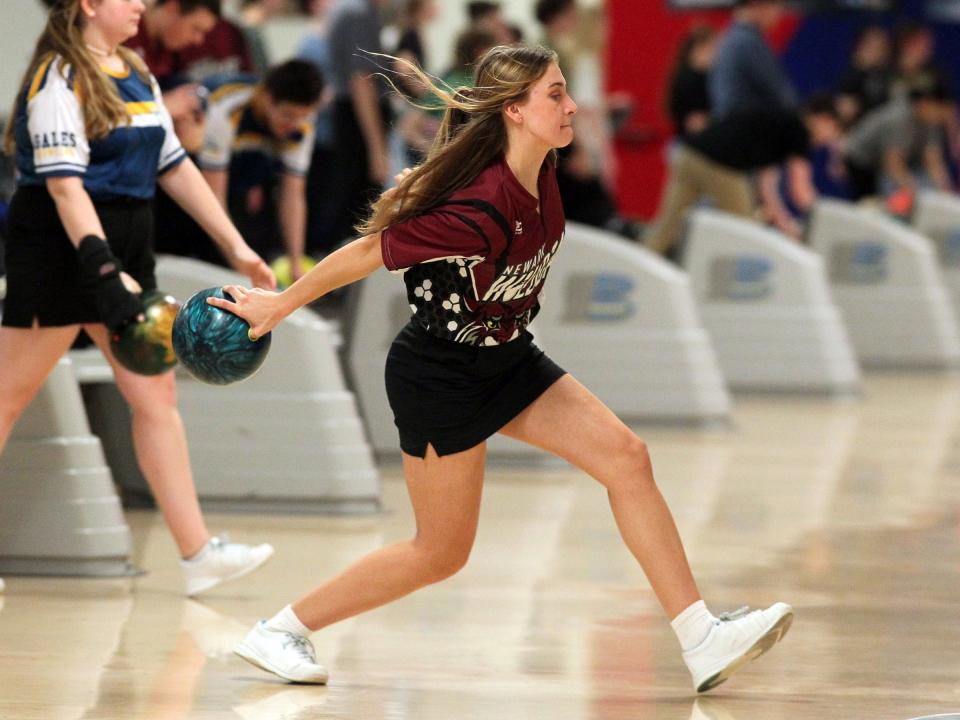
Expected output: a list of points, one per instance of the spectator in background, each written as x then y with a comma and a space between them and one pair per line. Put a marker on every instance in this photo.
360, 162
415, 128
560, 20
688, 98
254, 14
718, 164
471, 45
321, 208
414, 16
746, 75
819, 172
900, 145
866, 84
913, 64
255, 133
488, 16
167, 29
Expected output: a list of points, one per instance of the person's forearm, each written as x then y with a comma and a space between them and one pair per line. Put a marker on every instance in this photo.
768, 181
75, 208
293, 216
186, 186
217, 180
933, 162
367, 108
350, 263
896, 167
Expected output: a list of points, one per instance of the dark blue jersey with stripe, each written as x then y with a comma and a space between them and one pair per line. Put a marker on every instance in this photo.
51, 140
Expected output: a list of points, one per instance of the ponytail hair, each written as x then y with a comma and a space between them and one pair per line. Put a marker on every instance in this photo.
472, 134
103, 109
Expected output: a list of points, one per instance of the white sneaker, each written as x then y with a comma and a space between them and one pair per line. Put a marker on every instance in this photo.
222, 560
284, 654
733, 641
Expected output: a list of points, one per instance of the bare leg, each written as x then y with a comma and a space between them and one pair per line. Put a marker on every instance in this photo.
160, 443
569, 421
26, 358
445, 493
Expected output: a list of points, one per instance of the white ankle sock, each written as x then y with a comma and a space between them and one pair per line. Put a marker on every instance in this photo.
288, 621
199, 554
693, 625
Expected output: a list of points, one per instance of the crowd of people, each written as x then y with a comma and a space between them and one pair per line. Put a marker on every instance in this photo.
296, 150
746, 143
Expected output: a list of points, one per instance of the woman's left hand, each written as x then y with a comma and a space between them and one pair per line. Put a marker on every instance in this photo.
247, 262
260, 308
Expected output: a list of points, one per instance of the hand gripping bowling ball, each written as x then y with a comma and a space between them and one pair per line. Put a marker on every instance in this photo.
213, 344
146, 347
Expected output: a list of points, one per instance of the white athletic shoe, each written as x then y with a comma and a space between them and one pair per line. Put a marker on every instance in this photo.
284, 654
733, 641
220, 561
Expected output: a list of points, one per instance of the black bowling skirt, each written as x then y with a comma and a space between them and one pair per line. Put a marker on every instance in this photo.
42, 268
454, 396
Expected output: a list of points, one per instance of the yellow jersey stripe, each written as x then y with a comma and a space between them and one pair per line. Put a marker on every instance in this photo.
141, 108
224, 90
38, 77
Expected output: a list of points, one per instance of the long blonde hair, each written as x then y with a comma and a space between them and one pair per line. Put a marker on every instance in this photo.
103, 109
471, 136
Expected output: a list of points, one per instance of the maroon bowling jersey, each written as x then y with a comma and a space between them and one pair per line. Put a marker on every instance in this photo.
475, 264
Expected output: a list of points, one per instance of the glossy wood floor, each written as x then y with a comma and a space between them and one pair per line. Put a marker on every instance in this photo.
846, 509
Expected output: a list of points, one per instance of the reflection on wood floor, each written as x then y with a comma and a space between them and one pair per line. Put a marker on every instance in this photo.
846, 509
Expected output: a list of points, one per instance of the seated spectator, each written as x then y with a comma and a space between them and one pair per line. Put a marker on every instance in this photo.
900, 145
866, 84
255, 133
717, 165
688, 99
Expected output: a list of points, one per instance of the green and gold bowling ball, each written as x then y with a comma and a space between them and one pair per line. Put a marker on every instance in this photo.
146, 347
281, 269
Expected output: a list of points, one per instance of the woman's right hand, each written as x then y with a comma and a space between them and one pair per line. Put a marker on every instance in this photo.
260, 308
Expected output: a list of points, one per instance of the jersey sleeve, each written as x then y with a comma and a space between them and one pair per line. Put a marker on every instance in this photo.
218, 137
449, 231
297, 155
56, 126
172, 152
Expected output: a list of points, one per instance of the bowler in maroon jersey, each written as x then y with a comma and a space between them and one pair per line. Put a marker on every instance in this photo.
473, 230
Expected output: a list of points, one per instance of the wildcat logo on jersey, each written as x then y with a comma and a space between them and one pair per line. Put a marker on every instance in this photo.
62, 139
522, 279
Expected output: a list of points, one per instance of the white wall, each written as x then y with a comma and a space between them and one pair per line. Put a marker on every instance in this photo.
22, 21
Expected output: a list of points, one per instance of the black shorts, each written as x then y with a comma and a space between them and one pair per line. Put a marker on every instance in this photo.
42, 267
454, 396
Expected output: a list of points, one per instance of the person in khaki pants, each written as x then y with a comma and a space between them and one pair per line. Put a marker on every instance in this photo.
717, 164
694, 176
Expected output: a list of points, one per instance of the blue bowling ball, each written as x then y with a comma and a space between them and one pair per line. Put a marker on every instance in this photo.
213, 344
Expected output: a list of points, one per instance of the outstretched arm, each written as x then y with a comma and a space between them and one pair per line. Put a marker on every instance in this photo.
263, 310
189, 190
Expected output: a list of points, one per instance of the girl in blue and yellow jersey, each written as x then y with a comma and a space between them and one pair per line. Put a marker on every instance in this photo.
92, 139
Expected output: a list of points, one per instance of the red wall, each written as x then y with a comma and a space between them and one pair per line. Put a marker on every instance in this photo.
643, 36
